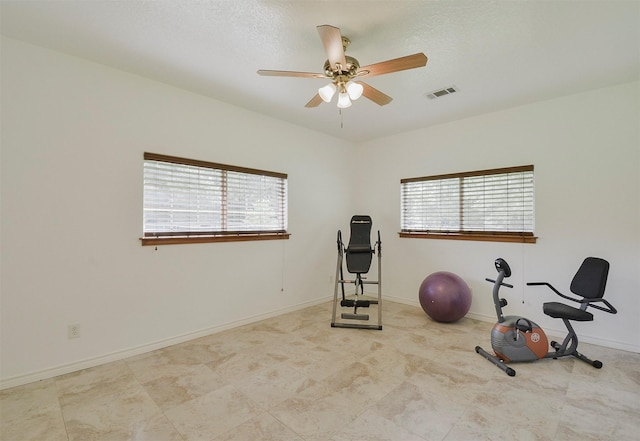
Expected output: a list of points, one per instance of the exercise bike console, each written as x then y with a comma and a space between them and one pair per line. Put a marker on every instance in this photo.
504, 271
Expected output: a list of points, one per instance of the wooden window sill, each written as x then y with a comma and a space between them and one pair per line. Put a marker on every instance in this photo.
485, 237
177, 240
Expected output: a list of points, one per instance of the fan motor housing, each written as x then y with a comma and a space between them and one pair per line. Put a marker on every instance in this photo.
350, 69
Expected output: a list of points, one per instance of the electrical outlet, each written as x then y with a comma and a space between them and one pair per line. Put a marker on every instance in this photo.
73, 331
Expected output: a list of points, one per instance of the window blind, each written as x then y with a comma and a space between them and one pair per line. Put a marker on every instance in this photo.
184, 197
488, 201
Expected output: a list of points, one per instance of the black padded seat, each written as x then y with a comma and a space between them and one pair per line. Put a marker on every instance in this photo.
562, 311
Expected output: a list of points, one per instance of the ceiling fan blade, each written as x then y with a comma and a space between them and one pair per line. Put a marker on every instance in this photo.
374, 94
288, 73
332, 41
395, 65
314, 102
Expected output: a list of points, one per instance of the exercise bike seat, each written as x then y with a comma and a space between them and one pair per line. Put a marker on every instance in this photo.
562, 311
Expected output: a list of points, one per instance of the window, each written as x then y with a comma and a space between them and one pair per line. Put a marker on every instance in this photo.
494, 205
188, 201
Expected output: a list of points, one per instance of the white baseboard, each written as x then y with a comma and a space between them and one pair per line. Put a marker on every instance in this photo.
31, 377
19, 380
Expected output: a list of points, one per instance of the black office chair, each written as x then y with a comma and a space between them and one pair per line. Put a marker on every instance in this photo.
358, 255
588, 284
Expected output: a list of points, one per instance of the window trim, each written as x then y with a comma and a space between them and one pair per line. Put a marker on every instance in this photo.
471, 235
174, 238
195, 162
490, 236
240, 237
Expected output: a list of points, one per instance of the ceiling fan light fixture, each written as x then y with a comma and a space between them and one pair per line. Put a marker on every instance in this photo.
343, 100
340, 69
327, 92
354, 90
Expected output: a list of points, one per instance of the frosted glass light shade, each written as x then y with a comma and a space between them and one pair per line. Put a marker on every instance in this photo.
326, 92
354, 90
343, 100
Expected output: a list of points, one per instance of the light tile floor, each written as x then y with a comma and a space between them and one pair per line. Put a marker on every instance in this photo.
294, 378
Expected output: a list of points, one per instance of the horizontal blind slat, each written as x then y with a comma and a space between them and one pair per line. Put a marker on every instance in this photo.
497, 201
194, 197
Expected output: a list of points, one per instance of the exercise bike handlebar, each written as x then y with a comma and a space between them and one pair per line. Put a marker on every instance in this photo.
504, 271
588, 300
501, 283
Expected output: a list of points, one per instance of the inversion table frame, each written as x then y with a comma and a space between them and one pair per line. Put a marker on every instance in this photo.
360, 254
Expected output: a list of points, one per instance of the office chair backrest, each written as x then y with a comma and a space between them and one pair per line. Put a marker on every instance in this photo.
591, 278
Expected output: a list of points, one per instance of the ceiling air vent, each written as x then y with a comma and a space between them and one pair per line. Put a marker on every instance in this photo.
441, 92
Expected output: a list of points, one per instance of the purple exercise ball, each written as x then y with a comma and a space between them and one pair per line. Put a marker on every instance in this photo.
445, 297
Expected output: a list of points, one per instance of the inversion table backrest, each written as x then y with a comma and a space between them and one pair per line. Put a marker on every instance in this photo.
359, 252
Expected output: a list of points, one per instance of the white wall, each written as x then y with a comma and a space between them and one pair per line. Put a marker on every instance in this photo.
73, 137
73, 134
586, 153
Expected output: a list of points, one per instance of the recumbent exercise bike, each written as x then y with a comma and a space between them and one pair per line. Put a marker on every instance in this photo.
517, 339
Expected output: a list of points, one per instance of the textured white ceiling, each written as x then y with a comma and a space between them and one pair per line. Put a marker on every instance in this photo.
499, 54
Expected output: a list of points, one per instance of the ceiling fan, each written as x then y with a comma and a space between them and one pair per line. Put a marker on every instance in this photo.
343, 71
